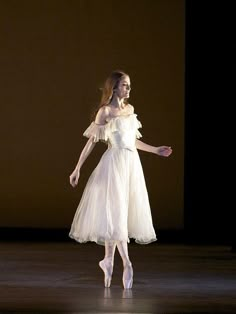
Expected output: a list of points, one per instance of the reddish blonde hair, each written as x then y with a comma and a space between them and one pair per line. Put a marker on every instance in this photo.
110, 84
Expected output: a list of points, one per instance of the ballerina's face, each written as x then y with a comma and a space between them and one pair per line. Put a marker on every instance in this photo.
124, 87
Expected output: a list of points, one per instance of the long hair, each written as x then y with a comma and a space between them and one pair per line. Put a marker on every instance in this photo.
110, 84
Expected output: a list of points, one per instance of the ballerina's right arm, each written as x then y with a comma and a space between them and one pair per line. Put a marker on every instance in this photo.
89, 146
100, 119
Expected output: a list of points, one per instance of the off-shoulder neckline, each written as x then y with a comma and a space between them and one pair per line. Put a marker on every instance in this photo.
115, 117
121, 115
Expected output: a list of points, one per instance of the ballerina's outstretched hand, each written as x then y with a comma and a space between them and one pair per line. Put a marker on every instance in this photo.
164, 151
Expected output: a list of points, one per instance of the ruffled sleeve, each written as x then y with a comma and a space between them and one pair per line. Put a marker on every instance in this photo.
97, 131
138, 134
138, 125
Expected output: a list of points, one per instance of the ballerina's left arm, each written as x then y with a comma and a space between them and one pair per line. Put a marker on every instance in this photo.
160, 150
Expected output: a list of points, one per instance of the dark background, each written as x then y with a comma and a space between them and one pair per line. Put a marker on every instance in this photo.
208, 125
55, 55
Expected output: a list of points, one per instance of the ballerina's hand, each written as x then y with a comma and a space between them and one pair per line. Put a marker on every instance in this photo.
74, 177
164, 151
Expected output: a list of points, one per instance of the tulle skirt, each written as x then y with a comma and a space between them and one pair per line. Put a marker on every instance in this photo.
115, 204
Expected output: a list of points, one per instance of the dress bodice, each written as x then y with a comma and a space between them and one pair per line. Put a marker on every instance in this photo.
119, 132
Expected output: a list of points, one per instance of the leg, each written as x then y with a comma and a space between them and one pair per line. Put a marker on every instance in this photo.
123, 250
110, 247
107, 263
128, 270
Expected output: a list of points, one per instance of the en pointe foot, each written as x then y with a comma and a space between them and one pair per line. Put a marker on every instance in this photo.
107, 267
128, 276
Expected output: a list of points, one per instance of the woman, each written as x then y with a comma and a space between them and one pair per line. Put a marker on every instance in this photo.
115, 206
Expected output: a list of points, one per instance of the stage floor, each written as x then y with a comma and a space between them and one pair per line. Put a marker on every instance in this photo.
64, 277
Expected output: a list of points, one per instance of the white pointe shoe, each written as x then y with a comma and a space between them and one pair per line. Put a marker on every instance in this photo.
128, 279
107, 272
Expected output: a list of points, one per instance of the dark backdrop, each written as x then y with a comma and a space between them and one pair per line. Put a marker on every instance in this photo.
54, 57
208, 124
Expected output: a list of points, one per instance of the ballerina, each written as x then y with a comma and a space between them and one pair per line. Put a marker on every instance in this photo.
115, 206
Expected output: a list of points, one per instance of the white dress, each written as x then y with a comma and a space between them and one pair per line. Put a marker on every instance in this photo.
115, 204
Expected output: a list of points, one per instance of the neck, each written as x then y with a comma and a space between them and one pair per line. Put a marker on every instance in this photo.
117, 102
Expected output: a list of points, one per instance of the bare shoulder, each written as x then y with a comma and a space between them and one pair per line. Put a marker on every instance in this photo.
102, 115
131, 108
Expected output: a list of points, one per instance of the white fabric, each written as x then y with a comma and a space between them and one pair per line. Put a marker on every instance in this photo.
115, 204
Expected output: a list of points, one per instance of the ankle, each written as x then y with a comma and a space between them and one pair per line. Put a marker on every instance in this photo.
127, 264
109, 260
